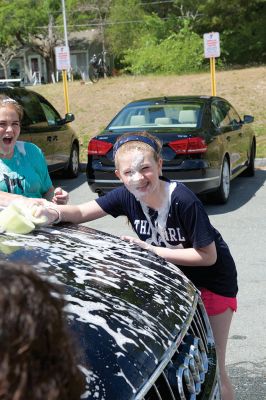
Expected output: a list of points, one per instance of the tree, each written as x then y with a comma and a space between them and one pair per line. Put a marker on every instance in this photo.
133, 22
97, 11
188, 9
124, 25
32, 22
6, 55
38, 24
8, 50
178, 53
128, 25
241, 24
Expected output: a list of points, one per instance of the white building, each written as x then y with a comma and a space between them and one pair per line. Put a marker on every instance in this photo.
30, 67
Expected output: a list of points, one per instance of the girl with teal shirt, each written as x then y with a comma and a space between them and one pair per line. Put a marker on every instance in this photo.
23, 169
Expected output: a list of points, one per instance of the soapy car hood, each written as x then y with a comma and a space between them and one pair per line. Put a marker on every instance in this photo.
126, 306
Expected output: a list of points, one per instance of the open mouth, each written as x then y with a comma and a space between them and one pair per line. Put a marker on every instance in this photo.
143, 187
7, 140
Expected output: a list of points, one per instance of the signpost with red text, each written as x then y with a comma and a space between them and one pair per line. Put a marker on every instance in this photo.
62, 57
212, 51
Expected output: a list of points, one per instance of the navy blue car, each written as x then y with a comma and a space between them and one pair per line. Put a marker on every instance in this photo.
141, 327
205, 143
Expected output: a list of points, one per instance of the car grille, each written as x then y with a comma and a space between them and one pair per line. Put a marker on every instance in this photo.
189, 370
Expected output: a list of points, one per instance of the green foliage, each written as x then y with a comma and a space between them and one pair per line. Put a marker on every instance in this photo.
124, 25
179, 53
147, 37
241, 24
246, 44
23, 17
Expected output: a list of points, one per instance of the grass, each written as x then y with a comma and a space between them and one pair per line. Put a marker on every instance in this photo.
95, 104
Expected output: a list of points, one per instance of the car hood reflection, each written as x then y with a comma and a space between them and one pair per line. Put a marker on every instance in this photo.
125, 305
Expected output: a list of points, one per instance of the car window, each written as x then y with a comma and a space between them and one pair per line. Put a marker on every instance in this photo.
33, 112
51, 114
170, 115
234, 117
220, 114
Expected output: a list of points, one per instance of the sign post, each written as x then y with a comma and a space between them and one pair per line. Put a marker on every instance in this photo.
62, 57
211, 51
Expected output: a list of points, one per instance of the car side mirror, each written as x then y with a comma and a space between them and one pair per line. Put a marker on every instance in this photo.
69, 117
248, 119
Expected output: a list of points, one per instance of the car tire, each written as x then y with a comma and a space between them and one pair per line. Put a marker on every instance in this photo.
73, 165
250, 170
221, 195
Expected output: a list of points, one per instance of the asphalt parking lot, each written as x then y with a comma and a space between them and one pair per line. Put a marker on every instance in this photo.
242, 222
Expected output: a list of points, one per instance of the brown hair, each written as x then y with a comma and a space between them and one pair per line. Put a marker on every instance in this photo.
139, 145
37, 359
6, 101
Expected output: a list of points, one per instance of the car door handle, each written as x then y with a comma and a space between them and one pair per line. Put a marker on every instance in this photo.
228, 138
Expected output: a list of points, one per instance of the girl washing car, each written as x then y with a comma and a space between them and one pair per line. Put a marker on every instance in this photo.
171, 222
23, 169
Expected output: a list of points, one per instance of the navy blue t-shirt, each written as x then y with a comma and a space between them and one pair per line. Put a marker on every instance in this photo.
184, 224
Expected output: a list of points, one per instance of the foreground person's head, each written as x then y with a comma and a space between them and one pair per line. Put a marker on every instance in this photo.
37, 359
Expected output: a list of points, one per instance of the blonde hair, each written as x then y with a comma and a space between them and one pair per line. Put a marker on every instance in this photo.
6, 101
137, 144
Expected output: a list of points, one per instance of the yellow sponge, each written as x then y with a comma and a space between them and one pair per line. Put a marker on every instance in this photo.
19, 219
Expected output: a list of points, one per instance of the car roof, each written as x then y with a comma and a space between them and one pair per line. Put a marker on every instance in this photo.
15, 90
125, 305
172, 99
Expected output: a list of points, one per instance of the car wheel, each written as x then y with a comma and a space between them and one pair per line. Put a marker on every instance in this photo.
221, 195
250, 171
73, 165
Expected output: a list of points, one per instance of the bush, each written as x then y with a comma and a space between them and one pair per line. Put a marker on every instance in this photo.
179, 53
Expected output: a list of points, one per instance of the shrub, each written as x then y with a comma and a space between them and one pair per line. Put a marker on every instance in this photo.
178, 53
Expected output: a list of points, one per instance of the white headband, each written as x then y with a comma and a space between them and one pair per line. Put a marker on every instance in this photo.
9, 100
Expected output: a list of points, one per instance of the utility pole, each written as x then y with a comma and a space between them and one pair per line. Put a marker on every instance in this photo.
64, 20
64, 72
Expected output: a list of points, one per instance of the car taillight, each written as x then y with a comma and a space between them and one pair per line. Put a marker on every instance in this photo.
189, 145
98, 147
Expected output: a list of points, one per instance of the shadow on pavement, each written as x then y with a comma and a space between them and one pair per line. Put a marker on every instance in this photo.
242, 190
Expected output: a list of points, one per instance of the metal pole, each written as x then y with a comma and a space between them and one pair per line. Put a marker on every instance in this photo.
213, 80
64, 20
64, 71
65, 91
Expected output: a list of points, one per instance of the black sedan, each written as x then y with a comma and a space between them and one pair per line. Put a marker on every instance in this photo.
141, 327
43, 126
205, 143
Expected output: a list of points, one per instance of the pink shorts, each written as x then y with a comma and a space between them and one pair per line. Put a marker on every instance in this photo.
216, 304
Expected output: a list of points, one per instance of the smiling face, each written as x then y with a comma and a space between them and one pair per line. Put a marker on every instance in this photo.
140, 172
9, 130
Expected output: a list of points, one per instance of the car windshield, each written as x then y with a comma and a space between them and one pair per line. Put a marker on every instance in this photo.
158, 115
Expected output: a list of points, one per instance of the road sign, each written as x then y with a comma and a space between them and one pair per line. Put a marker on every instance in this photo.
62, 57
211, 44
